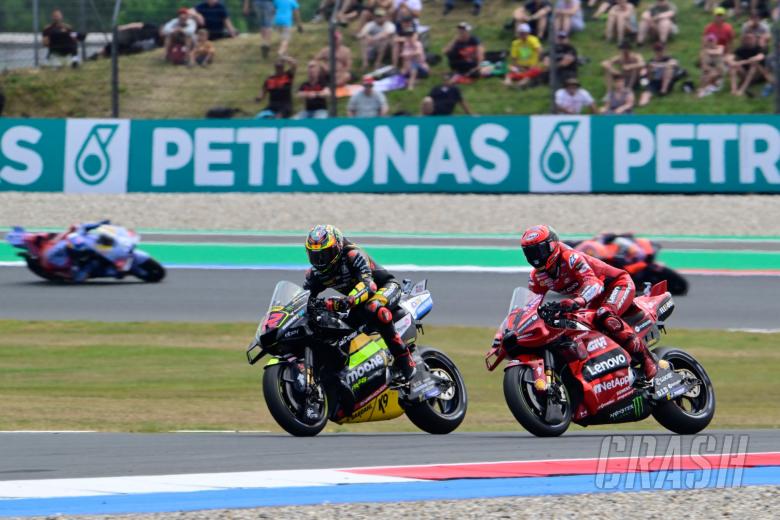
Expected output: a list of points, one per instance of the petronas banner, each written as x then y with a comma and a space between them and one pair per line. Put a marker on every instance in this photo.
542, 154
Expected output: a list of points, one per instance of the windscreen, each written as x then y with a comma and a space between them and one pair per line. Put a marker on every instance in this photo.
285, 293
522, 297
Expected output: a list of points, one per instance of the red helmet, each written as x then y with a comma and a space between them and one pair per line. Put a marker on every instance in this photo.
541, 247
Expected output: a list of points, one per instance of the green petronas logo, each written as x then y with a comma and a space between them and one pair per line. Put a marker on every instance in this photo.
557, 161
93, 162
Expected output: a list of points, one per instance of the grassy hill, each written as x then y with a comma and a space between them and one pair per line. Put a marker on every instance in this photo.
150, 88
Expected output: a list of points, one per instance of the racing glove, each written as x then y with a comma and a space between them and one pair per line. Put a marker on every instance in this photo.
572, 304
337, 304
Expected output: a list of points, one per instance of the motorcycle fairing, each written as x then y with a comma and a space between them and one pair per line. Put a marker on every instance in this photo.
382, 406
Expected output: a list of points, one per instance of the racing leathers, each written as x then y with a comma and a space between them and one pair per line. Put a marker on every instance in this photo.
72, 251
371, 295
596, 285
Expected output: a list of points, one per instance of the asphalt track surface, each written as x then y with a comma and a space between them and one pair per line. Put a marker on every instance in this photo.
472, 299
30, 456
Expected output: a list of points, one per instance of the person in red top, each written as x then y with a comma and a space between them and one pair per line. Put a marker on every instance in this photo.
591, 284
722, 30
278, 87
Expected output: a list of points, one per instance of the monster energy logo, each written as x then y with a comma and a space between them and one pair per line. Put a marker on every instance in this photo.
556, 162
638, 406
93, 162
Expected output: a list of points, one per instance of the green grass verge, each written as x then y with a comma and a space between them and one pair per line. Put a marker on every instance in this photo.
150, 88
168, 376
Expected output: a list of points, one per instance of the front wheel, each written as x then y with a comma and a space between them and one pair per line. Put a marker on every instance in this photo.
691, 412
443, 413
286, 400
529, 407
149, 270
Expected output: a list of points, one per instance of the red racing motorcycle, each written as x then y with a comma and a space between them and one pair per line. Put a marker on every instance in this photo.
562, 370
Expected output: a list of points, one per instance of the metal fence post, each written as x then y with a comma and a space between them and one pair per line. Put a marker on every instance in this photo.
552, 37
776, 38
83, 28
36, 30
333, 102
115, 60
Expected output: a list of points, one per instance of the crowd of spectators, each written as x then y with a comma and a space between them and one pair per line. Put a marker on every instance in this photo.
395, 52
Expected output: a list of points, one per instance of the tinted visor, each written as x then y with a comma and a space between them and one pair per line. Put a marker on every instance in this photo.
537, 254
322, 258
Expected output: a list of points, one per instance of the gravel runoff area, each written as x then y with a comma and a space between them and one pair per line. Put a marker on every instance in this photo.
754, 503
432, 213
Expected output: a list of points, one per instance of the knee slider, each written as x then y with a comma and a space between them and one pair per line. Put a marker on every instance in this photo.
384, 315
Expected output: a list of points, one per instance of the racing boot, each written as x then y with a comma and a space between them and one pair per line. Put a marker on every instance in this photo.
405, 366
637, 348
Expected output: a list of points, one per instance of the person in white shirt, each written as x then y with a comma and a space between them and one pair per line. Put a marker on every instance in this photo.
572, 98
368, 102
184, 24
375, 39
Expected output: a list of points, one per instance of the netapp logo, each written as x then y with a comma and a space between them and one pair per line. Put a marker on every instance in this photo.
612, 384
604, 364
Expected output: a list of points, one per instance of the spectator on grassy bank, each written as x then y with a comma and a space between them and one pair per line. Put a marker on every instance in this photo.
619, 98
660, 75
658, 22
61, 41
314, 92
747, 64
287, 12
367, 102
375, 38
213, 15
566, 59
449, 5
179, 35
712, 61
536, 13
442, 99
621, 21
413, 63
264, 17
343, 72
568, 17
523, 58
759, 28
721, 29
407, 7
573, 99
203, 51
627, 63
465, 52
278, 88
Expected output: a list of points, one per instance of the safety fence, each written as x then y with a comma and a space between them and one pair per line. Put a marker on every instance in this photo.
538, 154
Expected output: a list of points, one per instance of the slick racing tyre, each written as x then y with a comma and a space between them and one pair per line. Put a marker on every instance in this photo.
529, 407
444, 413
287, 403
691, 412
149, 271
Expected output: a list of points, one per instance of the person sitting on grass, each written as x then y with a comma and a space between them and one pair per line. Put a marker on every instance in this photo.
343, 72
568, 17
367, 102
566, 60
759, 28
572, 98
746, 64
721, 29
524, 58
203, 52
621, 21
213, 15
465, 53
61, 41
658, 21
712, 63
536, 14
375, 37
278, 87
449, 5
314, 92
179, 32
627, 64
287, 12
660, 75
413, 64
619, 98
442, 99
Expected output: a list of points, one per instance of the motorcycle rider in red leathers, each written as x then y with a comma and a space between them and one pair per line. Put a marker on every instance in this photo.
591, 284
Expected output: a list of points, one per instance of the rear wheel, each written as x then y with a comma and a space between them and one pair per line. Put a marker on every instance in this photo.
444, 413
529, 407
286, 400
691, 412
35, 267
149, 270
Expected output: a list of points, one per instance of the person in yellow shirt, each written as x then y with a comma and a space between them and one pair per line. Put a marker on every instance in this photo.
524, 58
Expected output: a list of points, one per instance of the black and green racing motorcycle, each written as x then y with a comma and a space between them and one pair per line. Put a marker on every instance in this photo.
323, 369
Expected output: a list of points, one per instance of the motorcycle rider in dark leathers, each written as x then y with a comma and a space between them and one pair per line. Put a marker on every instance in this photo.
591, 283
370, 291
